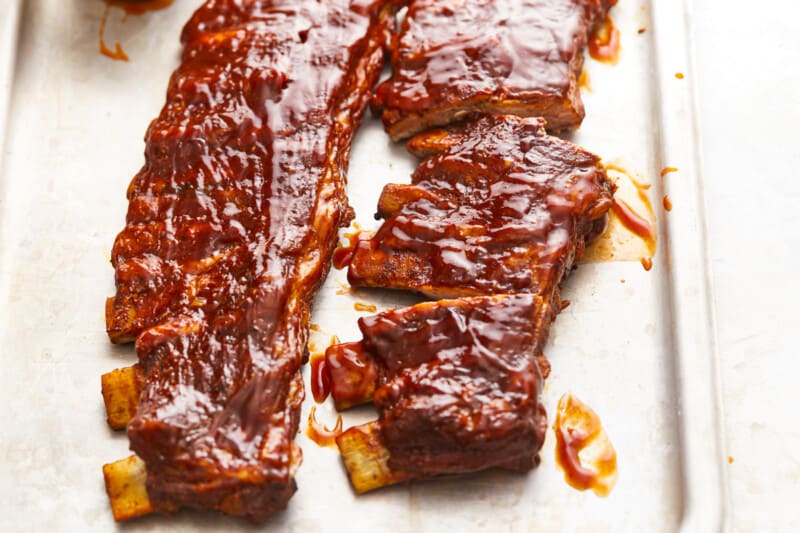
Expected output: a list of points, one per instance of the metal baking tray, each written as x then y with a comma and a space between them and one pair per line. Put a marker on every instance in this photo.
642, 353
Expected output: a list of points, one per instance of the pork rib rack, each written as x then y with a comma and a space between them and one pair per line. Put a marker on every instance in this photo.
230, 230
454, 57
456, 384
497, 207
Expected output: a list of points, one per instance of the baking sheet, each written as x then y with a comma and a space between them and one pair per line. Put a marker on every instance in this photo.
640, 352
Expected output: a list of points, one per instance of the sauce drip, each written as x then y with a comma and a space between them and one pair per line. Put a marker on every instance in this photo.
633, 221
344, 252
583, 81
604, 43
667, 203
320, 433
679, 75
631, 231
117, 54
367, 308
667, 170
131, 7
320, 378
647, 263
583, 450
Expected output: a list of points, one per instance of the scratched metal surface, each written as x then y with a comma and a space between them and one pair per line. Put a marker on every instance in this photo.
641, 353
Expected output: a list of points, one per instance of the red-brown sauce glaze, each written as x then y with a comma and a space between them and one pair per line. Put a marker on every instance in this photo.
667, 203
502, 208
453, 55
320, 433
647, 263
577, 427
131, 7
230, 229
320, 378
344, 252
634, 221
353, 374
604, 41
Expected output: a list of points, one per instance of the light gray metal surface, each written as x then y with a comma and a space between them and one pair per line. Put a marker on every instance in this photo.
640, 352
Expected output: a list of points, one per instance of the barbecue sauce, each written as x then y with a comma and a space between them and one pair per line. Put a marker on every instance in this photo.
320, 379
503, 209
343, 254
353, 374
365, 308
604, 41
231, 225
131, 7
668, 170
583, 450
455, 56
633, 221
319, 432
667, 203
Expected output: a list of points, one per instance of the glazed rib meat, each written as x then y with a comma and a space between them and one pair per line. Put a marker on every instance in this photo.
497, 207
456, 385
454, 57
230, 229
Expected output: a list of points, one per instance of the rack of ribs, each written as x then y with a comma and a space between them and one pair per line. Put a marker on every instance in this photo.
456, 384
230, 229
498, 206
456, 57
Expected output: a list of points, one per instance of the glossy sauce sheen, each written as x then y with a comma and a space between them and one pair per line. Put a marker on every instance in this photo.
353, 374
458, 383
230, 229
453, 57
604, 42
344, 252
320, 433
320, 379
578, 430
501, 208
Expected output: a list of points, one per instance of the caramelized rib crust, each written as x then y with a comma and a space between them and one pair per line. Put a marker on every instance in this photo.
456, 57
459, 383
229, 233
498, 207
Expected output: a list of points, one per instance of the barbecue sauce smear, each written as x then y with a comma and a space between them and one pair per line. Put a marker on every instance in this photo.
320, 378
131, 7
320, 433
631, 231
583, 450
604, 42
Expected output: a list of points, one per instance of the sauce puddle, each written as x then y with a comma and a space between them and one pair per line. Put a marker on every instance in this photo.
320, 433
604, 42
631, 231
583, 450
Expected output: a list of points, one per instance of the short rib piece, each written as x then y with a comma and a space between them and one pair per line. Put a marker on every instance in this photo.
230, 230
455, 57
497, 207
457, 386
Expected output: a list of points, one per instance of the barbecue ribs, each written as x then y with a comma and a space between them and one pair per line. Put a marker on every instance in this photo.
455, 57
456, 384
497, 207
230, 230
